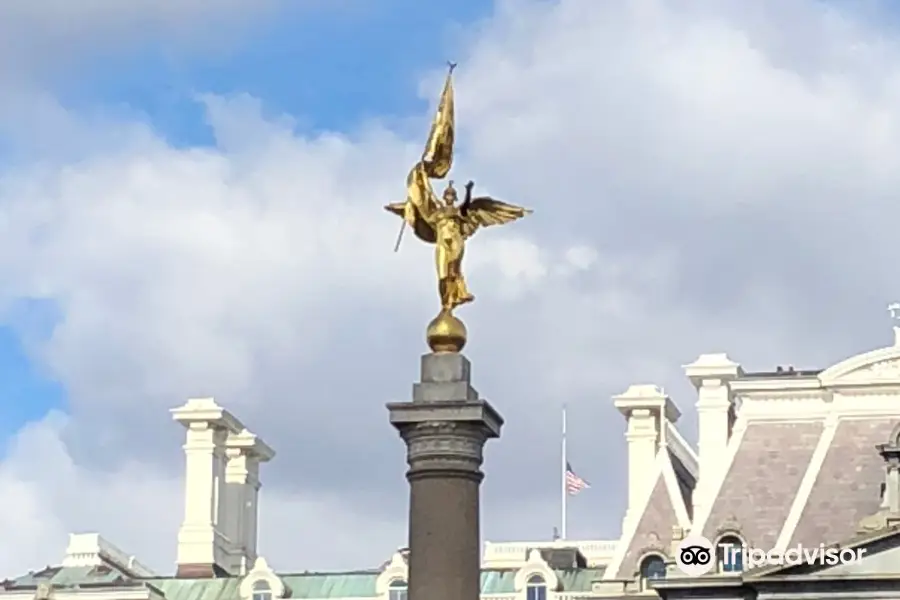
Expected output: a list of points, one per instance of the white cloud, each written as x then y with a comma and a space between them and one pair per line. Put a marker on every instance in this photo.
703, 179
137, 502
48, 33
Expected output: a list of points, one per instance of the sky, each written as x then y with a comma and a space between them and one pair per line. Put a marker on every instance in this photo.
190, 205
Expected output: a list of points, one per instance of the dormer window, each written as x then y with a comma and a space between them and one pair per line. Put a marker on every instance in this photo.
398, 590
730, 554
653, 567
262, 590
261, 583
536, 588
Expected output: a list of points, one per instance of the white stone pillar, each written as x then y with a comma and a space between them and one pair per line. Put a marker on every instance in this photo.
203, 547
646, 409
245, 453
711, 374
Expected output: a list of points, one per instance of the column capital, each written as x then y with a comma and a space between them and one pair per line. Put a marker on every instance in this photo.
717, 367
200, 413
250, 445
446, 425
445, 439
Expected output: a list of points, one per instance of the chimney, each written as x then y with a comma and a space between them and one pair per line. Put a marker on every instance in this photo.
219, 496
644, 408
245, 452
711, 374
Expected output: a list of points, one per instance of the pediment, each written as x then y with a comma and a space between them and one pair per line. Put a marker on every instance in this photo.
877, 367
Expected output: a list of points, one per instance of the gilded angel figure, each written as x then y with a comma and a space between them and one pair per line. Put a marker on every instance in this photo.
448, 224
444, 222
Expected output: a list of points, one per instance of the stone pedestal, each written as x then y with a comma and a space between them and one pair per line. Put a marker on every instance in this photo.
445, 428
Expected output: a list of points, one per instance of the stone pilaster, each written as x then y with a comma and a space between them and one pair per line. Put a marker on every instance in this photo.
445, 428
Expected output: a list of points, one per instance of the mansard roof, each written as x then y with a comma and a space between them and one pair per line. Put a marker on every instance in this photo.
846, 486
800, 467
756, 497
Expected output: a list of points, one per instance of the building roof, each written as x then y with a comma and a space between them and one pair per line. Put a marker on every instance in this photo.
349, 584
800, 466
666, 508
762, 482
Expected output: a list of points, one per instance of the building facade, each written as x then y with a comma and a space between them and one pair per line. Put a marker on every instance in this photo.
785, 459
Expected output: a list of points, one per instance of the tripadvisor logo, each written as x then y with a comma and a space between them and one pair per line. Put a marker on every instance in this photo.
696, 556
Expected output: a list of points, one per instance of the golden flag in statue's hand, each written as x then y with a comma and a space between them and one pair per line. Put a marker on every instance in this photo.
438, 155
436, 161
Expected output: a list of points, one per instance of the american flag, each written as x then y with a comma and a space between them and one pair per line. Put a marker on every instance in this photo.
574, 483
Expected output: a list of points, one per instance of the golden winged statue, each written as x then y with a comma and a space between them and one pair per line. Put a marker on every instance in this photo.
446, 222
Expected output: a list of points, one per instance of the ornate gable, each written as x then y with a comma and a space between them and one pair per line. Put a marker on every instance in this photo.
878, 367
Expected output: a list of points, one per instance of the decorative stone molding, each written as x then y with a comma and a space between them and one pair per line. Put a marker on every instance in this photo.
889, 513
886, 369
678, 534
647, 396
895, 436
396, 570
262, 572
786, 406
512, 555
725, 534
729, 528
44, 591
871, 368
447, 447
712, 366
535, 565
654, 550
437, 438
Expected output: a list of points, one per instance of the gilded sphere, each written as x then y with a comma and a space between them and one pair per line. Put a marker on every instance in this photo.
446, 333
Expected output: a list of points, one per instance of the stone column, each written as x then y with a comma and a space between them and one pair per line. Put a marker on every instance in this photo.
445, 428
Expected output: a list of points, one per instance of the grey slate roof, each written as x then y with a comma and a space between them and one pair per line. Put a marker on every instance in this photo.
686, 483
848, 486
763, 480
654, 530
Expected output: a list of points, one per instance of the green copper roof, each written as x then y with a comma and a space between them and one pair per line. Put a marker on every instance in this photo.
318, 586
305, 585
69, 576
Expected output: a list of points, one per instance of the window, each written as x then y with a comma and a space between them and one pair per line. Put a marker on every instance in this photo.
261, 590
653, 567
730, 555
536, 588
397, 590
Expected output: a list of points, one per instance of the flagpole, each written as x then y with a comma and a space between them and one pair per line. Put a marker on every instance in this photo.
565, 467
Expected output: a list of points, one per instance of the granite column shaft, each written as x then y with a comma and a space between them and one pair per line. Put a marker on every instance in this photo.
445, 428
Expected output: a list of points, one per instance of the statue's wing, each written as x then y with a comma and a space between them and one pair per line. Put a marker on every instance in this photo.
485, 211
